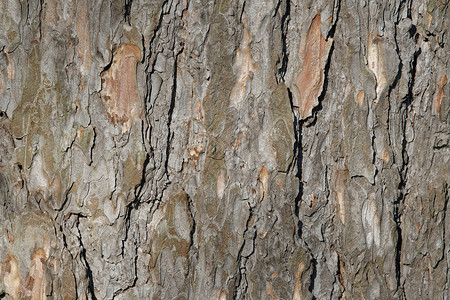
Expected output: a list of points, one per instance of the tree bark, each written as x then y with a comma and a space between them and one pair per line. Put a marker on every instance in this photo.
230, 149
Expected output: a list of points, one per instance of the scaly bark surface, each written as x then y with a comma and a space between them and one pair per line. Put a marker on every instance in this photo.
229, 149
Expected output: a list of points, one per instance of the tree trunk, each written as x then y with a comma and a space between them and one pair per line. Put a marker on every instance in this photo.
230, 149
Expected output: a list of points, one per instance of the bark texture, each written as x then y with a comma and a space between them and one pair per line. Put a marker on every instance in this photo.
229, 149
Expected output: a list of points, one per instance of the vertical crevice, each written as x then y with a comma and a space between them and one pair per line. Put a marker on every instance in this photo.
298, 152
170, 113
284, 31
127, 11
134, 205
298, 147
139, 189
333, 27
398, 246
89, 275
340, 266
151, 64
41, 9
398, 203
58, 231
133, 284
311, 121
313, 276
192, 213
241, 285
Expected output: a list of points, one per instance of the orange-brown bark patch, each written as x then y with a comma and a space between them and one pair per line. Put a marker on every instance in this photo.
34, 285
385, 155
244, 66
263, 179
360, 98
440, 95
269, 290
376, 61
309, 82
298, 283
11, 276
